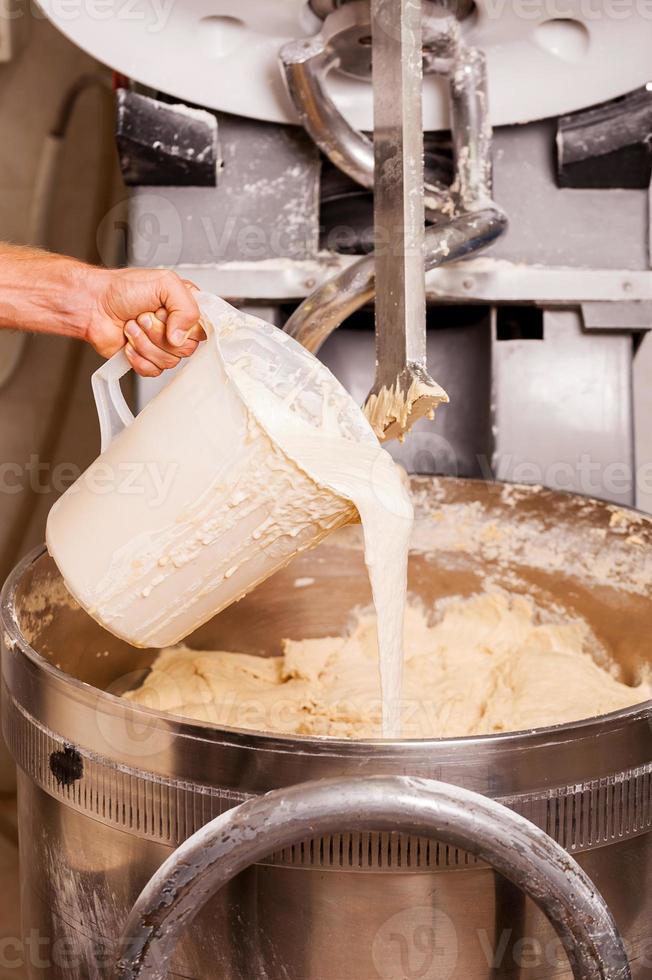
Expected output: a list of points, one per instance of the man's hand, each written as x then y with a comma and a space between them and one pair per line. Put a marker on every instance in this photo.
153, 310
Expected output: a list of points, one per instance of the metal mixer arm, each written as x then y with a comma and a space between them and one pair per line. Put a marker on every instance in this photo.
306, 64
467, 219
232, 842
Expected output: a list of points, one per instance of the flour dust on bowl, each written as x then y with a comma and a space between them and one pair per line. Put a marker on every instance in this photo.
108, 789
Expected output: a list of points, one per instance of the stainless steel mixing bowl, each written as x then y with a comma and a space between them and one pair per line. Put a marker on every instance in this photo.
107, 790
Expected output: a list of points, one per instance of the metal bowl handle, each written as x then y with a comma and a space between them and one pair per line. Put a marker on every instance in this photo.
513, 846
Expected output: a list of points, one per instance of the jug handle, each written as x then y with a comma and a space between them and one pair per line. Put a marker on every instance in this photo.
112, 410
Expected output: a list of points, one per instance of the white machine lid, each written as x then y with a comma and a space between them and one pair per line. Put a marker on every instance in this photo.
223, 54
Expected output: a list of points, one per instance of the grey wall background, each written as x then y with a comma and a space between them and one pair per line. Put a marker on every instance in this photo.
46, 418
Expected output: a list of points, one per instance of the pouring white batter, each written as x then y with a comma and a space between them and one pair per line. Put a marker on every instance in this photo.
267, 453
365, 474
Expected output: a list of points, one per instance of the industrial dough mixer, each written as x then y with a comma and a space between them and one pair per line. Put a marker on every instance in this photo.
244, 202
374, 874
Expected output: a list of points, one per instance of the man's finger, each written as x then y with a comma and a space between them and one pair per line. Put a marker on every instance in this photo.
143, 345
155, 329
140, 365
183, 312
196, 333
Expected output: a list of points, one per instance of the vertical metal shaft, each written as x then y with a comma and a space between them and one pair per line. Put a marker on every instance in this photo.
399, 185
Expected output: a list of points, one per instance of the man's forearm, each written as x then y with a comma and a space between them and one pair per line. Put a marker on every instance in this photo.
151, 313
44, 292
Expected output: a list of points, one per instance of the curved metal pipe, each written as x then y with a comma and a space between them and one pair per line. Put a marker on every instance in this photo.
513, 846
330, 304
470, 128
305, 65
350, 151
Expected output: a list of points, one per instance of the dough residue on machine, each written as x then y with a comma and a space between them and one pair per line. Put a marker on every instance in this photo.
393, 411
490, 663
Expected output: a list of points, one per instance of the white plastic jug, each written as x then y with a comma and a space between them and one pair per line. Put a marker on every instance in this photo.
195, 501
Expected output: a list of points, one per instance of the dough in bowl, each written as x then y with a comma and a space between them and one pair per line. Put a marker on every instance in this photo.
489, 663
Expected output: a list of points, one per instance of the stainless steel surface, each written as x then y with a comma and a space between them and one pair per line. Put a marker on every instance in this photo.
522, 853
399, 216
556, 226
108, 790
